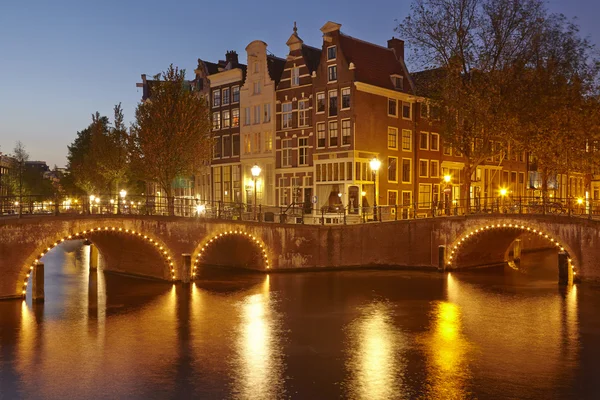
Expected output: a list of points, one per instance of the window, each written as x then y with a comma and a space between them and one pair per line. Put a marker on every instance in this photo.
226, 146
303, 151
424, 111
392, 197
236, 94
434, 142
226, 119
286, 115
424, 141
405, 110
398, 82
247, 116
247, 144
256, 88
434, 169
295, 76
423, 169
346, 132
332, 73
267, 110
436, 194
320, 102
257, 114
235, 117
392, 169
225, 96
268, 142
392, 108
392, 138
333, 133
447, 149
216, 98
257, 142
286, 153
217, 183
406, 198
217, 148
331, 53
345, 98
216, 121
406, 167
256, 67
333, 103
406, 139
302, 112
321, 135
424, 195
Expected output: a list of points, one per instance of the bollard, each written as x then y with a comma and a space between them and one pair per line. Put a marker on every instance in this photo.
441, 258
186, 268
94, 256
37, 289
565, 273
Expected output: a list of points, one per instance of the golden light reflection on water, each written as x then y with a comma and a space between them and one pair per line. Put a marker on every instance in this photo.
375, 363
447, 351
259, 363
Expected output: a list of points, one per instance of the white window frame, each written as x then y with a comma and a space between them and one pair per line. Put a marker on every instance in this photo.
337, 133
303, 113
428, 202
437, 139
409, 141
233, 90
321, 124
223, 97
216, 92
287, 113
330, 68
436, 162
410, 197
267, 112
426, 163
349, 135
426, 142
342, 98
401, 170
324, 103
295, 76
337, 111
393, 128
388, 198
335, 51
286, 151
388, 174
256, 112
388, 107
301, 149
225, 116
217, 126
409, 108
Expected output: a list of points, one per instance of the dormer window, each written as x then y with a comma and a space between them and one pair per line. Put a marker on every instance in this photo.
295, 76
331, 53
398, 82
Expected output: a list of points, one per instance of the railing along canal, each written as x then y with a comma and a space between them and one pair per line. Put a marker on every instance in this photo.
296, 213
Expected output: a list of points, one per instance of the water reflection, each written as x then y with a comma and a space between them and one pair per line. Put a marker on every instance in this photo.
447, 351
258, 362
376, 363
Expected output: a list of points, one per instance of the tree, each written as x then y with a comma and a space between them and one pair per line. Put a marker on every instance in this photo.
109, 147
172, 134
473, 44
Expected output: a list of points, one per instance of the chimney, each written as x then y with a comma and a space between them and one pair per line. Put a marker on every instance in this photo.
398, 46
231, 57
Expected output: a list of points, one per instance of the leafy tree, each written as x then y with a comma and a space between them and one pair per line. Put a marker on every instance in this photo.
172, 134
473, 45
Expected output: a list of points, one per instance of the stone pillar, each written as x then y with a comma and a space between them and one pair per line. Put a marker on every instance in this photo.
94, 256
517, 247
37, 289
565, 273
441, 258
186, 268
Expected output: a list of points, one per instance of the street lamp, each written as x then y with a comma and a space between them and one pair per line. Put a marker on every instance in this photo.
375, 164
255, 173
447, 178
122, 195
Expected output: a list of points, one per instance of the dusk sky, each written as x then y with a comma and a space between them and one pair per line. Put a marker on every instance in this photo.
60, 60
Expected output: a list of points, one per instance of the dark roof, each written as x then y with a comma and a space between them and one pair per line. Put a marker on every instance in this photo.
275, 66
426, 81
312, 56
373, 63
211, 68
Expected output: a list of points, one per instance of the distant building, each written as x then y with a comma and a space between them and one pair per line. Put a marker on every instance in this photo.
37, 166
6, 164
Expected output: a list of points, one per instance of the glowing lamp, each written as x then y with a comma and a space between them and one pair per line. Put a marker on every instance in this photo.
447, 178
579, 201
255, 170
503, 192
123, 193
375, 164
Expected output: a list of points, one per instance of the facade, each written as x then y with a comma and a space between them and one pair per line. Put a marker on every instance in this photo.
6, 163
295, 136
258, 123
225, 110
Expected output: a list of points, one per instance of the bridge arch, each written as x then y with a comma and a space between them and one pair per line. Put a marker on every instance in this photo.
466, 244
86, 234
208, 244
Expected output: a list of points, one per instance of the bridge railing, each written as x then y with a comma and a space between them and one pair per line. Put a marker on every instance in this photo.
339, 213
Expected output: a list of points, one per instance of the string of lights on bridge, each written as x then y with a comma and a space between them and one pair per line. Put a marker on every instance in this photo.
461, 241
213, 239
81, 236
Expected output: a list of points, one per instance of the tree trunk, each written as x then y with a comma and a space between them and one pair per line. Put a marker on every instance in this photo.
170, 201
466, 189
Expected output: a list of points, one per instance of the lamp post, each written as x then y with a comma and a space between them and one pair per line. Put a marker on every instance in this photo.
122, 195
375, 164
255, 173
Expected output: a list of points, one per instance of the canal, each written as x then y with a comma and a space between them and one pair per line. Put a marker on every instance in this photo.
487, 334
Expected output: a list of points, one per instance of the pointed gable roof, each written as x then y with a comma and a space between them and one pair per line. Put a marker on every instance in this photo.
312, 57
374, 64
275, 65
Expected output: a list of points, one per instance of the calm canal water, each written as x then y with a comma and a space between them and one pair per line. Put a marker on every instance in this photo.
360, 335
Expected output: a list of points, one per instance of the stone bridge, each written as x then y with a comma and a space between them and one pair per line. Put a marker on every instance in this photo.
155, 246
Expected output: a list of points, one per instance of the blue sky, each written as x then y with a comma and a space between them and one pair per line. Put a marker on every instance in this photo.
62, 60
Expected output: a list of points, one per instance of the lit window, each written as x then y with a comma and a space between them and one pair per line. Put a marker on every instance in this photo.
406, 139
320, 102
216, 121
216, 98
226, 119
392, 138
235, 117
